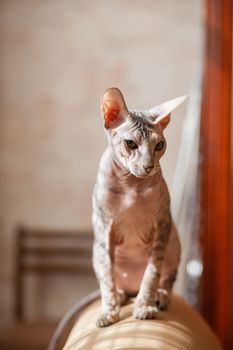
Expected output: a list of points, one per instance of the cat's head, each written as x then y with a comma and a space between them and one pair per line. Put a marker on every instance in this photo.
136, 137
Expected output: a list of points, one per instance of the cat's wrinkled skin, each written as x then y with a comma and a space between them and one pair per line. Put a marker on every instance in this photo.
136, 247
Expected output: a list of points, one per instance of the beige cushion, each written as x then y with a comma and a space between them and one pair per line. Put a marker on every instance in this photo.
180, 327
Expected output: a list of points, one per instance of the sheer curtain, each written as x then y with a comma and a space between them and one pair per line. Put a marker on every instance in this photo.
185, 197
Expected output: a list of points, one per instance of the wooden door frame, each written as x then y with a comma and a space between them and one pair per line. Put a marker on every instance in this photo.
215, 148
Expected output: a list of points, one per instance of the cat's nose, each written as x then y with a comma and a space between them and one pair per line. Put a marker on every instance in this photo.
148, 168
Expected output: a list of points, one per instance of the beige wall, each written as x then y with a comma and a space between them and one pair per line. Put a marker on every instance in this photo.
57, 58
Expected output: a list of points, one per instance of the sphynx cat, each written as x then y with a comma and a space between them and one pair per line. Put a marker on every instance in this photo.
136, 248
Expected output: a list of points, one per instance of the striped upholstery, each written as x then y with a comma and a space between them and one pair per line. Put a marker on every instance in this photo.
180, 328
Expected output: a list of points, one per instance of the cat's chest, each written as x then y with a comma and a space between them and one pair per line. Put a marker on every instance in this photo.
135, 200
138, 204
136, 209
134, 218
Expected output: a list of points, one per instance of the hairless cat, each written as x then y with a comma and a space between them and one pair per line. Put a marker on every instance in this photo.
136, 248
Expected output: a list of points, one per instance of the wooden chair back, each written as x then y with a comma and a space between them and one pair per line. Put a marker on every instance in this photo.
46, 252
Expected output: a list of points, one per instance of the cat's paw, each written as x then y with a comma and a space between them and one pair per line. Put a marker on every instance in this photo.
107, 318
145, 312
163, 299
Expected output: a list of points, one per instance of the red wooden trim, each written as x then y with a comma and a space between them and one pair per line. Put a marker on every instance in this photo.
215, 169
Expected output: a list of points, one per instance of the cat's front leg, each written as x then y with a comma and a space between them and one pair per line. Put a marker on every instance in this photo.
103, 255
145, 307
169, 270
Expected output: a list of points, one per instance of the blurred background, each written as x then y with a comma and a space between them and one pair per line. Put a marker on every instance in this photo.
57, 59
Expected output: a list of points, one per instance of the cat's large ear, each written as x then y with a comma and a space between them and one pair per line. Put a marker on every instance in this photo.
113, 108
162, 112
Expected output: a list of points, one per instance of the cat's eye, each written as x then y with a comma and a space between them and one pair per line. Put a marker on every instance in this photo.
159, 146
131, 144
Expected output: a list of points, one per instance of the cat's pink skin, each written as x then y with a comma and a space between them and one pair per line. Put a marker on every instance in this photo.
134, 210
136, 247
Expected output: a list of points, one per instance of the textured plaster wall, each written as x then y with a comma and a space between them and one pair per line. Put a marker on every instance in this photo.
57, 58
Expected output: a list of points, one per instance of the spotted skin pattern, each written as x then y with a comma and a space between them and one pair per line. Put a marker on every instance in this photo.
136, 248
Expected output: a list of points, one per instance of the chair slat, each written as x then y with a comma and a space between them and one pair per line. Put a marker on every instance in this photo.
57, 268
56, 251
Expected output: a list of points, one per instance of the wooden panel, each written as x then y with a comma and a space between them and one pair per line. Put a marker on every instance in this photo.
215, 168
